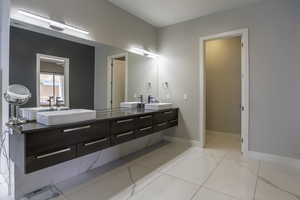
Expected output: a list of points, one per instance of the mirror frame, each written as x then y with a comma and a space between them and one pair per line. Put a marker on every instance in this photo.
66, 77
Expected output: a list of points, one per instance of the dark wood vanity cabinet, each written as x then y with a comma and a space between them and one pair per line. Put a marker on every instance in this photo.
47, 148
55, 145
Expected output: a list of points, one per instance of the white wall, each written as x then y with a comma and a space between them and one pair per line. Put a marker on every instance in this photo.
4, 67
101, 54
274, 71
141, 71
107, 24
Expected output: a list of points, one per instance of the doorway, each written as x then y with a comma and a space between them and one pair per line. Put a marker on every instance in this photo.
117, 80
224, 77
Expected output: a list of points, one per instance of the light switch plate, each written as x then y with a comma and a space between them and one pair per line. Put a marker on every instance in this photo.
185, 97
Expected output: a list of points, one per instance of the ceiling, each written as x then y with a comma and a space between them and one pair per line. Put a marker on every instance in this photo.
161, 13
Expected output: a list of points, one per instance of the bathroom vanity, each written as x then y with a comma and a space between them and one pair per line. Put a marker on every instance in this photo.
44, 146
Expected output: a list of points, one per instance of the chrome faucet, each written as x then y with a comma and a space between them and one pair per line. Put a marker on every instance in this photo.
58, 101
50, 100
141, 98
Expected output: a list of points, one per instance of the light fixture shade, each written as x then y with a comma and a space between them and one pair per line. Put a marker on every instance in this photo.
52, 24
144, 52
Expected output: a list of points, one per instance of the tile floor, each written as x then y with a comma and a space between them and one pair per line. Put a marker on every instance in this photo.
178, 172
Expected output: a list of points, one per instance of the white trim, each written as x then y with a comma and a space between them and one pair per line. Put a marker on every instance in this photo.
66, 77
182, 141
245, 85
293, 162
109, 62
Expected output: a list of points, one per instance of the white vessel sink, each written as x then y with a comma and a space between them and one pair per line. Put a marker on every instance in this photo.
129, 104
157, 106
65, 116
30, 113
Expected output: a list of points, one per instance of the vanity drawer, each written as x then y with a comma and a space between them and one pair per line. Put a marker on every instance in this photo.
145, 120
161, 126
165, 116
123, 137
95, 131
144, 131
123, 125
43, 141
49, 158
173, 122
92, 146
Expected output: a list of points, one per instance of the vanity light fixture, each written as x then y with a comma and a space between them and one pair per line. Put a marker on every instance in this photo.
52, 59
144, 52
52, 24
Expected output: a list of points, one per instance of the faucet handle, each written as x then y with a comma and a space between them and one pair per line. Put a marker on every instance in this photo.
141, 98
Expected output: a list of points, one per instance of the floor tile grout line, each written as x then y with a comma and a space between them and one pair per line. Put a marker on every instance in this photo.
203, 184
277, 187
145, 186
184, 180
225, 194
257, 175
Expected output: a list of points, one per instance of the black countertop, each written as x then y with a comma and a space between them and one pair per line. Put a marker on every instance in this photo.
106, 114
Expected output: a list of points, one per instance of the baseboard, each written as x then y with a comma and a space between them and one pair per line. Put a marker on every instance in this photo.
223, 133
293, 162
182, 141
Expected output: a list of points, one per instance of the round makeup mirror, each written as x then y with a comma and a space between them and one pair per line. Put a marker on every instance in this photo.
16, 95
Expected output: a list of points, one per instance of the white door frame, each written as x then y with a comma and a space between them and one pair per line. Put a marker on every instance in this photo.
109, 83
66, 77
244, 81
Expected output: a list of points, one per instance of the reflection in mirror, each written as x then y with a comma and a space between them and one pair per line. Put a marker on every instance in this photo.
52, 81
78, 74
118, 89
131, 76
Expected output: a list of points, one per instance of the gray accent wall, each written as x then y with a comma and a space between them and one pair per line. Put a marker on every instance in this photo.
24, 47
274, 29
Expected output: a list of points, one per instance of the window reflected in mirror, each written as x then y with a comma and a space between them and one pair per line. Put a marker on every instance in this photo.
52, 85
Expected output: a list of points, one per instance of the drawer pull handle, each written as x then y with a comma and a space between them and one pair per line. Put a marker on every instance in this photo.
162, 124
124, 121
76, 129
146, 117
145, 129
168, 112
53, 153
95, 142
124, 134
173, 121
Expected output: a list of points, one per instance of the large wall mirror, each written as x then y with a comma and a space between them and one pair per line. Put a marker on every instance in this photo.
52, 81
131, 76
75, 73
